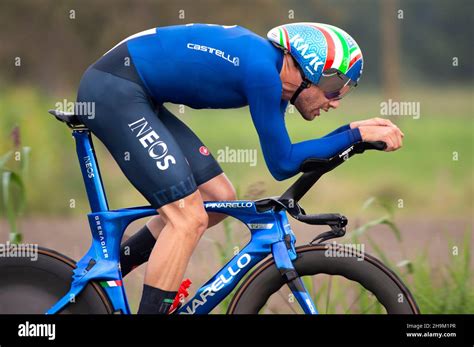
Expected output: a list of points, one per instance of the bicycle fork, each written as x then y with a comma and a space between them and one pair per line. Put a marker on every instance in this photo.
284, 253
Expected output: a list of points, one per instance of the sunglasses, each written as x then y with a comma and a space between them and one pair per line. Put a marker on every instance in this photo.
335, 85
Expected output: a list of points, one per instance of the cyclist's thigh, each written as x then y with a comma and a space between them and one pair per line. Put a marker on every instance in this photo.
125, 121
203, 165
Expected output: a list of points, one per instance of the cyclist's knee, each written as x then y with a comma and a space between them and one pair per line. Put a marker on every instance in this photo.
186, 215
192, 222
195, 219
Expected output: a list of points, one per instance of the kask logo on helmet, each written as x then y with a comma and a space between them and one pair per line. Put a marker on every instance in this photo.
301, 46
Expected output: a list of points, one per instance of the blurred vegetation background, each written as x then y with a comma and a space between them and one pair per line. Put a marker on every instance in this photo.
416, 51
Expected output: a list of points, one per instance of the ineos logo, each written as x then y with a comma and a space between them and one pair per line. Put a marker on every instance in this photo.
157, 150
89, 168
162, 150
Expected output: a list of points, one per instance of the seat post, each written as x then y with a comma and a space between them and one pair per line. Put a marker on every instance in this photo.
90, 170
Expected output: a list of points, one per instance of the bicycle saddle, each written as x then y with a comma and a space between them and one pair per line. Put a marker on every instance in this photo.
67, 117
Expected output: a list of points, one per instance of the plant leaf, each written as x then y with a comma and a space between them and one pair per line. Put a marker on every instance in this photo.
369, 202
25, 160
379, 252
4, 158
363, 228
9, 179
9, 208
407, 264
394, 229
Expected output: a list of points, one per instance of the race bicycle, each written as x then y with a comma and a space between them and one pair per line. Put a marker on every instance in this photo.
55, 283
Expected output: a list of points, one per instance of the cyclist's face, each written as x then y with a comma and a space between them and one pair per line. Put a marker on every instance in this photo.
312, 100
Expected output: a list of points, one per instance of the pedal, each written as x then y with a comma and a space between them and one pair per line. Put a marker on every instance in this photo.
182, 293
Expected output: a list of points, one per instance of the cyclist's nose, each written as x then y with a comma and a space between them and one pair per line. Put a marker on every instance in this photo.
334, 103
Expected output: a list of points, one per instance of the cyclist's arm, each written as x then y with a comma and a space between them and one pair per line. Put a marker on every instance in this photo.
282, 157
339, 130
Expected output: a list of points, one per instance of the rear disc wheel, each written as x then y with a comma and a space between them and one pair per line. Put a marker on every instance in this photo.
33, 286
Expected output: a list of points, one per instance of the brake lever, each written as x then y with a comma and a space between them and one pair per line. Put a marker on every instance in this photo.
335, 232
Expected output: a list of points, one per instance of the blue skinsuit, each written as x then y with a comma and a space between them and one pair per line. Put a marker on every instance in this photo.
201, 66
218, 67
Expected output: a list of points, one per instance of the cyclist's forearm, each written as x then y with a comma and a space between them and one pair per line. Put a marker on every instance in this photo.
324, 147
338, 130
284, 158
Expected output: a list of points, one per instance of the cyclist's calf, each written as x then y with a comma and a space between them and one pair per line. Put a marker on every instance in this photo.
185, 222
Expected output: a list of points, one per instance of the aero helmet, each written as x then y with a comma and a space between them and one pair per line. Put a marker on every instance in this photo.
318, 47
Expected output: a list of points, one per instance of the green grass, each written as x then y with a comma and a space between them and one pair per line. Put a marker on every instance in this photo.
446, 289
437, 289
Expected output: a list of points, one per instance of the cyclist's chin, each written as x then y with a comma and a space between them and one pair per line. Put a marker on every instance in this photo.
309, 116
307, 112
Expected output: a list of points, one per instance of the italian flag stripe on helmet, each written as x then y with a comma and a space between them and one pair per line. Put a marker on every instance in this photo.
284, 39
287, 39
357, 57
282, 43
342, 63
337, 51
356, 54
330, 51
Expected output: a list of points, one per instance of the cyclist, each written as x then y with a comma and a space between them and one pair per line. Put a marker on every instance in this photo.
310, 65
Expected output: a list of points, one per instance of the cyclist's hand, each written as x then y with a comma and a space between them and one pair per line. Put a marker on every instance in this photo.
373, 122
392, 136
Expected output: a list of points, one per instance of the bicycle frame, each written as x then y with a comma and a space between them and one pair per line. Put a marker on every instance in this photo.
270, 234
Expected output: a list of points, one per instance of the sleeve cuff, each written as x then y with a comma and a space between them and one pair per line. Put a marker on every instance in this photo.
355, 135
345, 127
